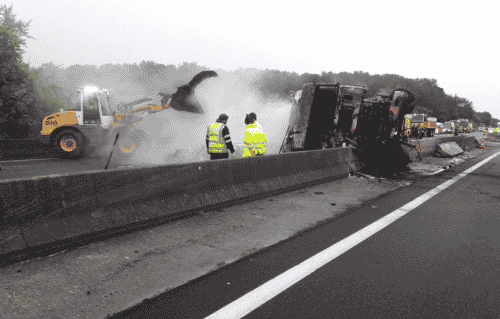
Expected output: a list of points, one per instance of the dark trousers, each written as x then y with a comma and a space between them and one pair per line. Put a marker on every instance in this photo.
217, 156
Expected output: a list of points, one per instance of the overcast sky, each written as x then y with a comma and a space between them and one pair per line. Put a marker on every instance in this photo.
454, 42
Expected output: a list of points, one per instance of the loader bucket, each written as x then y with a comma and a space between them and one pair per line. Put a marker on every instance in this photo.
183, 99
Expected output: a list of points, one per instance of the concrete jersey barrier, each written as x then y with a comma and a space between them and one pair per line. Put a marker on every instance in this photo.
38, 212
427, 146
449, 149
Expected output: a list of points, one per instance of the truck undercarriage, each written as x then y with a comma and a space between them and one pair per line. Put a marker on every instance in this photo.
334, 115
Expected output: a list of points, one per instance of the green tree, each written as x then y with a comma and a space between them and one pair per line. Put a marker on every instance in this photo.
16, 28
15, 89
484, 117
48, 87
24, 100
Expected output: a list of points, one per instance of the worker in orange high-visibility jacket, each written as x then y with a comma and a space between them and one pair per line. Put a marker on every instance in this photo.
218, 140
254, 139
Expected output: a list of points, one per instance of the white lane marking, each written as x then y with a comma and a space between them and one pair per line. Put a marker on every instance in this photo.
26, 160
260, 295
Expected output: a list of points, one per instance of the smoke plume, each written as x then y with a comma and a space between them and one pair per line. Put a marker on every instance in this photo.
171, 137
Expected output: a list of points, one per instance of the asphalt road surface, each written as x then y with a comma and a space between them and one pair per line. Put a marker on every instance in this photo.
51, 166
429, 250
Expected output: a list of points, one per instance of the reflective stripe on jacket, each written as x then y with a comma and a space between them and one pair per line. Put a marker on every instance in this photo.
216, 143
254, 140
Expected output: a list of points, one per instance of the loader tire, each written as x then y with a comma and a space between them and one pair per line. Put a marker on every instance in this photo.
69, 144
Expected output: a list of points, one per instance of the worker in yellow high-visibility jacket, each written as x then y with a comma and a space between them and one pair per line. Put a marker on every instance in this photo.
218, 140
254, 139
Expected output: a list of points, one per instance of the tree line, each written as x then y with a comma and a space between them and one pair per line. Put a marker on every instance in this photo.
28, 93
430, 97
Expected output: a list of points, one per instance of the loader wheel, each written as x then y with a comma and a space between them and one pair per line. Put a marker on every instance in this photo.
69, 144
127, 145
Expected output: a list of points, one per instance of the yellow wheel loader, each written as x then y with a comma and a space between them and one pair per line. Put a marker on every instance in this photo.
77, 133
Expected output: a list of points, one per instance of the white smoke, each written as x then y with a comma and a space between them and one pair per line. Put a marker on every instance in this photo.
170, 136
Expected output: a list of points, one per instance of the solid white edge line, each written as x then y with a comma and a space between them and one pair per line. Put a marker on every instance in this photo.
260, 295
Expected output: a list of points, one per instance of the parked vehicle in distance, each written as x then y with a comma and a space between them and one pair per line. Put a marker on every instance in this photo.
448, 127
464, 126
439, 128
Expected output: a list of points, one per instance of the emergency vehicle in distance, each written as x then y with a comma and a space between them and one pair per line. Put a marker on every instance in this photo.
420, 125
448, 127
464, 126
439, 128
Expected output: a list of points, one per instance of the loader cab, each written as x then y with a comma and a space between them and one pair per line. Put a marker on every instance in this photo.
94, 107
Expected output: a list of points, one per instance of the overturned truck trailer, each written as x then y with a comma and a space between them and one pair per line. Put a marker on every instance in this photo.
335, 115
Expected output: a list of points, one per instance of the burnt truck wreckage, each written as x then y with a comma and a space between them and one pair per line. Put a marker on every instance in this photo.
335, 115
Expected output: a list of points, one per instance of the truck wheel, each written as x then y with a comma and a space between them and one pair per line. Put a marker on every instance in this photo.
69, 144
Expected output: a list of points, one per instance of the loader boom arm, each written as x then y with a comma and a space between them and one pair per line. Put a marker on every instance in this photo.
181, 100
129, 107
